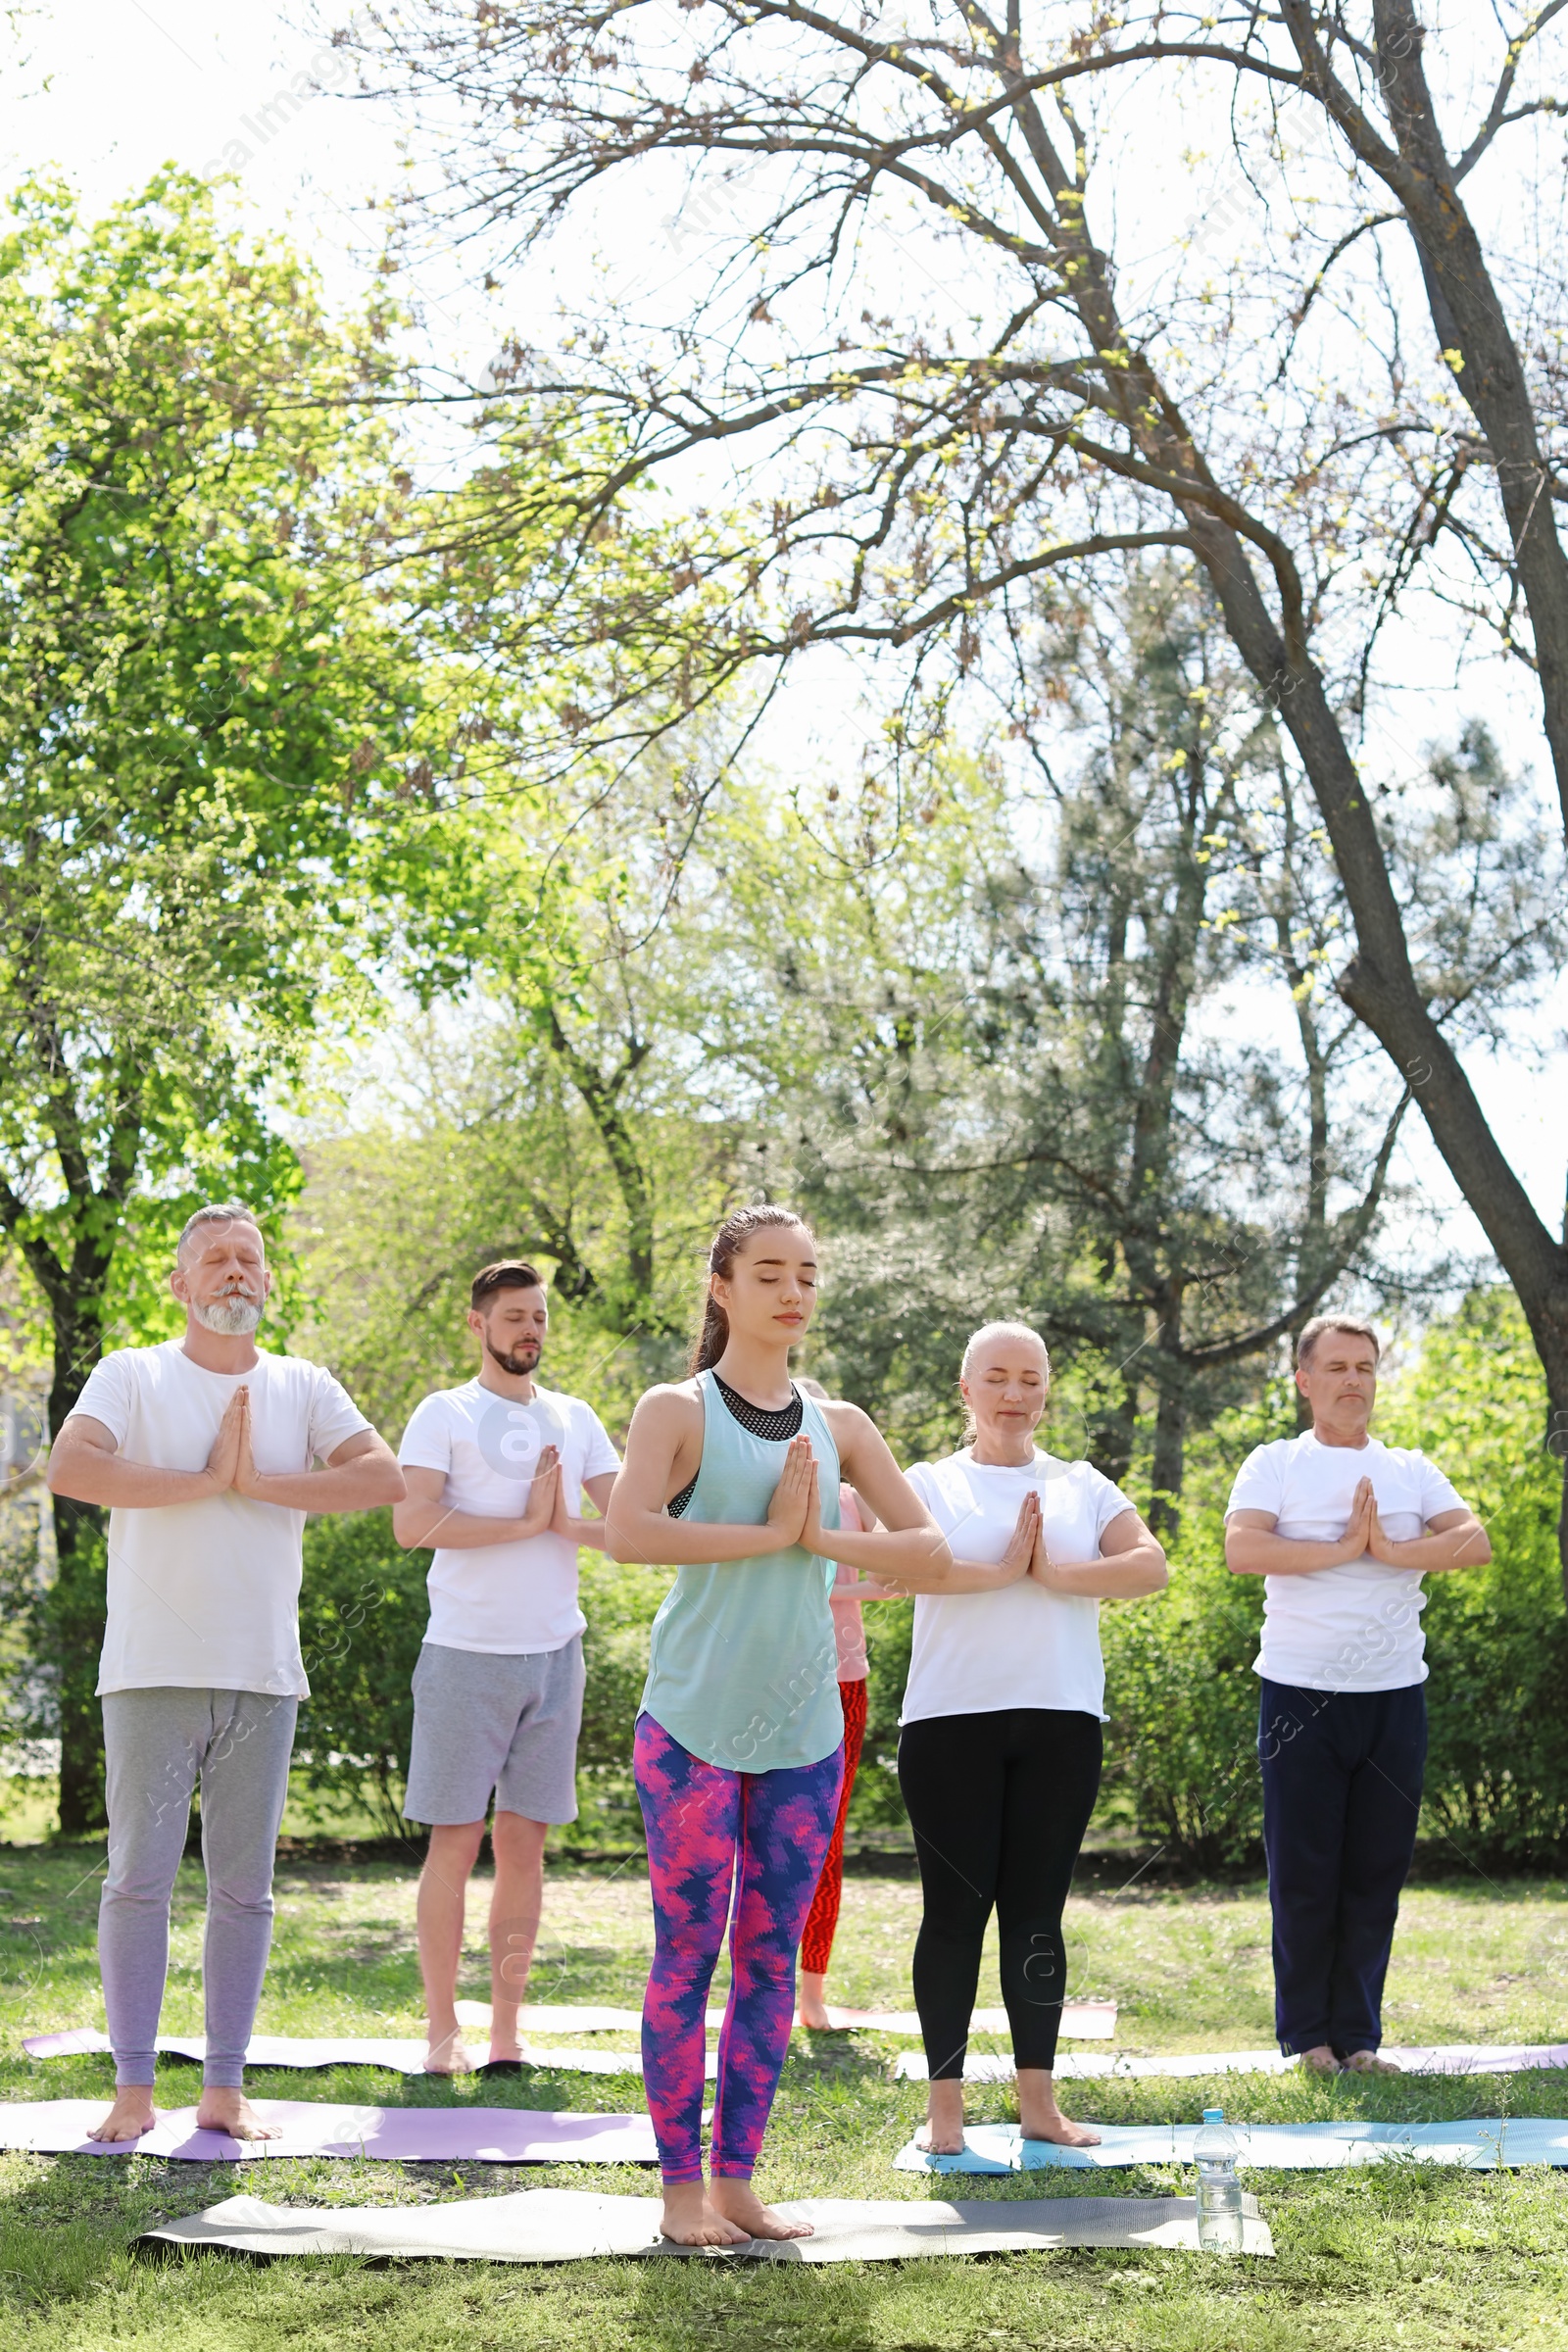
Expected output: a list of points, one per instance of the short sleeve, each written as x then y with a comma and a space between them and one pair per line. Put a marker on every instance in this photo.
427, 1440
334, 1415
919, 1478
106, 1395
1259, 1484
1108, 1501
1436, 1494
598, 1455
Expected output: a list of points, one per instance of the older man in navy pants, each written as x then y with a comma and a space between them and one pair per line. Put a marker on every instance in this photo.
1342, 1529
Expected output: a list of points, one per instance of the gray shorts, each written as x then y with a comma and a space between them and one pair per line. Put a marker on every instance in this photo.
507, 1724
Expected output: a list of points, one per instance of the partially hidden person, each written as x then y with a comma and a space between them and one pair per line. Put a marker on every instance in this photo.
733, 1477
846, 1597
1000, 1747
202, 1448
1341, 1529
496, 1471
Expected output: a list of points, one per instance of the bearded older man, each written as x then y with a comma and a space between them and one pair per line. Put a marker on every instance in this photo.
202, 1450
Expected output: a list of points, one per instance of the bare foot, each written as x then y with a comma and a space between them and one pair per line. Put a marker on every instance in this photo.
132, 2114
1040, 2117
943, 2135
689, 2220
445, 2054
739, 2202
810, 2006
1319, 2060
225, 2110
1367, 2062
507, 2052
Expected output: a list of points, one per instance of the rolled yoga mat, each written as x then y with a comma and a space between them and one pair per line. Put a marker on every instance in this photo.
1192, 2066
402, 2134
1488, 2145
569, 2225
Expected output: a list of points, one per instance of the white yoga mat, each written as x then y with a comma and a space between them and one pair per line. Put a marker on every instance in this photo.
1080, 2020
1479, 2146
403, 2135
1192, 2066
562, 2224
399, 2057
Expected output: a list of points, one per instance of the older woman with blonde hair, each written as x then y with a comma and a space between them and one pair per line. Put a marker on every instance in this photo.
1000, 1748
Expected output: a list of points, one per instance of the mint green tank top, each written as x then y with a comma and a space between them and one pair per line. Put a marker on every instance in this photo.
743, 1663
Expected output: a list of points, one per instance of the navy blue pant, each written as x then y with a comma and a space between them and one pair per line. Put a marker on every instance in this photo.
1342, 1795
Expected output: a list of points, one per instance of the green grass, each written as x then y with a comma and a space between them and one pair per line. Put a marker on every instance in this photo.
1400, 2255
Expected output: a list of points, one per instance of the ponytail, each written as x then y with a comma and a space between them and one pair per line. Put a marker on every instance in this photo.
713, 1335
712, 1331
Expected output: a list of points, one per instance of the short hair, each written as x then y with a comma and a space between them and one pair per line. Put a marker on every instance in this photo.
1312, 1332
217, 1213
1000, 1331
507, 1274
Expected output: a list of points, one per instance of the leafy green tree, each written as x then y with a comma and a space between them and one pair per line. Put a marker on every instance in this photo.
585, 1104
227, 770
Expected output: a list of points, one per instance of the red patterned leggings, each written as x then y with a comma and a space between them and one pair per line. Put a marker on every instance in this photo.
816, 1945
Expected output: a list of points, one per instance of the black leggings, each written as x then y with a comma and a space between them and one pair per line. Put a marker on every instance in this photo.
999, 1804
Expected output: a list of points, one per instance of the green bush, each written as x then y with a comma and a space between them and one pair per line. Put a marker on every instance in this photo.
1497, 1636
620, 1606
877, 1809
1181, 1747
363, 1613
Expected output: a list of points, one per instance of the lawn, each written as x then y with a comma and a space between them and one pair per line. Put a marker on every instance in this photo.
1398, 2255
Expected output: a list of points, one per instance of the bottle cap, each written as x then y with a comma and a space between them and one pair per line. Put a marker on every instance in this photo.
1213, 2115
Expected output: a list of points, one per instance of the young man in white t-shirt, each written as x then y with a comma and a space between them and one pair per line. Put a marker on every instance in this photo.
496, 1471
202, 1448
1342, 1529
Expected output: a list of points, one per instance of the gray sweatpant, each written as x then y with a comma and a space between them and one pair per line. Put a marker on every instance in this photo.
157, 1745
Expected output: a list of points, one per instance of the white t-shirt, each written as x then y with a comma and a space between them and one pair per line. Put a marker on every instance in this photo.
205, 1595
1357, 1627
512, 1599
976, 1653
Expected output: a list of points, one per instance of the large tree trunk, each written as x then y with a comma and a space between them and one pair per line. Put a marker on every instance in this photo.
73, 1611
1468, 320
600, 1097
1113, 1431
74, 1620
1381, 988
1379, 984
1170, 1436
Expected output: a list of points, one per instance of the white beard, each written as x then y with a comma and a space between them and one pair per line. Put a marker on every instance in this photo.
233, 1318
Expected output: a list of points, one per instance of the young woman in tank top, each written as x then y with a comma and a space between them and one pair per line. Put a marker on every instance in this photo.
733, 1475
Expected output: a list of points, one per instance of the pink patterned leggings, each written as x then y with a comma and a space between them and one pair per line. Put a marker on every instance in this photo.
699, 1817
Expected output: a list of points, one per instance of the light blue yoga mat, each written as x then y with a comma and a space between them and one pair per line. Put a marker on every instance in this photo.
1480, 2145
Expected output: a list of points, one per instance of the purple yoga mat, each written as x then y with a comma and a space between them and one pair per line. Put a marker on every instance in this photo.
411, 2134
400, 2057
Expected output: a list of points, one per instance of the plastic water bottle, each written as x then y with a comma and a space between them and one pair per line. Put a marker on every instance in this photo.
1219, 2192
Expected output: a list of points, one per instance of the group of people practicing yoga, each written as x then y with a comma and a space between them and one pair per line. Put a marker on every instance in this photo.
782, 1510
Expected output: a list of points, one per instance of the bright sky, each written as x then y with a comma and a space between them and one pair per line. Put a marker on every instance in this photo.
109, 89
